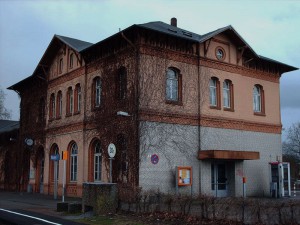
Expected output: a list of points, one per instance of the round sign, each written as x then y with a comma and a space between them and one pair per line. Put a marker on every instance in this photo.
154, 159
111, 150
29, 141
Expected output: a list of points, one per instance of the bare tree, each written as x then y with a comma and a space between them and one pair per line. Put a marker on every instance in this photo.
292, 144
4, 113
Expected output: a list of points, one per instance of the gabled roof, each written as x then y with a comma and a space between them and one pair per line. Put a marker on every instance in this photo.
83, 47
75, 44
49, 54
8, 125
55, 45
231, 31
170, 30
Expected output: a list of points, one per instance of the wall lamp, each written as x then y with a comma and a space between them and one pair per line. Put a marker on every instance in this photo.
121, 113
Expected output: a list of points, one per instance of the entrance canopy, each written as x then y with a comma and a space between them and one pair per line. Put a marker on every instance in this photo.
227, 154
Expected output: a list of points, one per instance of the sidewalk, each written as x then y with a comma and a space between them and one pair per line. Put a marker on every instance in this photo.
35, 202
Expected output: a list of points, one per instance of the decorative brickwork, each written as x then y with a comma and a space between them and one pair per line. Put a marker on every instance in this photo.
208, 121
66, 77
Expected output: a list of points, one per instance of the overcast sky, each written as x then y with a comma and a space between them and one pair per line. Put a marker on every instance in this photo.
270, 27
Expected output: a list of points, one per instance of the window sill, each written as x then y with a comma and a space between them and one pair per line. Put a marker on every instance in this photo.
215, 107
72, 182
228, 109
259, 114
69, 114
76, 113
97, 108
174, 102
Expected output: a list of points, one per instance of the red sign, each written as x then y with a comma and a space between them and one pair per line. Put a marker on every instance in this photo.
154, 159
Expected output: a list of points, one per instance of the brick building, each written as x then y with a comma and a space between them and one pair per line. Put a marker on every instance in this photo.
166, 97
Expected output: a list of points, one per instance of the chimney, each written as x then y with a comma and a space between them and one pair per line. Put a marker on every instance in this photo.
174, 22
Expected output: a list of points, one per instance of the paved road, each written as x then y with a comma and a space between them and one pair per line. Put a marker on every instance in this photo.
31, 209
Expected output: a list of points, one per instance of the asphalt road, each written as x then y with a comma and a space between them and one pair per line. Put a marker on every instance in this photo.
23, 217
30, 209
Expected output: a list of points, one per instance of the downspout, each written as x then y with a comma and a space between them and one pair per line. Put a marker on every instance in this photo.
199, 110
86, 179
137, 103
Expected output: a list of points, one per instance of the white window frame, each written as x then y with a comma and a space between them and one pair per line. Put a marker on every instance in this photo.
78, 98
213, 100
97, 161
97, 92
172, 85
74, 162
226, 94
257, 101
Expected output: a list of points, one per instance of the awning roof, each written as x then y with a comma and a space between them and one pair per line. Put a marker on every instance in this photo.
228, 154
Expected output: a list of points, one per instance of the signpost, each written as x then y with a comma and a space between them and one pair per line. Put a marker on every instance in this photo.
55, 158
64, 158
111, 152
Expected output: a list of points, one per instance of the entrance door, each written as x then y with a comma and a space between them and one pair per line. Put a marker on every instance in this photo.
219, 182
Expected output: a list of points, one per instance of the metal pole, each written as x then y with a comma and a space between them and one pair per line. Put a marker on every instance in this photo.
176, 179
110, 170
64, 180
244, 187
55, 179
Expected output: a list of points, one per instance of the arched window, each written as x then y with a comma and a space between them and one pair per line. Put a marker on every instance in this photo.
97, 89
71, 62
172, 85
214, 93
97, 161
227, 95
59, 105
122, 83
52, 107
258, 99
69, 101
73, 162
54, 151
77, 100
61, 65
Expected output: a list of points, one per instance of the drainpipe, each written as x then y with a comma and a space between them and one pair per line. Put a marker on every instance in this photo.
199, 108
137, 103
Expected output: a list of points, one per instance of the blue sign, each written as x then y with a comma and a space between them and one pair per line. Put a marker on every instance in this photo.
55, 157
154, 159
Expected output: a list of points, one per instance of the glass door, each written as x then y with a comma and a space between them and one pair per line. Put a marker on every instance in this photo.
219, 182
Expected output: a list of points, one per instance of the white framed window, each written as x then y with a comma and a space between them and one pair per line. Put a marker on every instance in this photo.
71, 63
257, 100
61, 65
97, 161
172, 85
97, 92
52, 107
73, 164
226, 94
69, 101
213, 92
78, 98
59, 104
